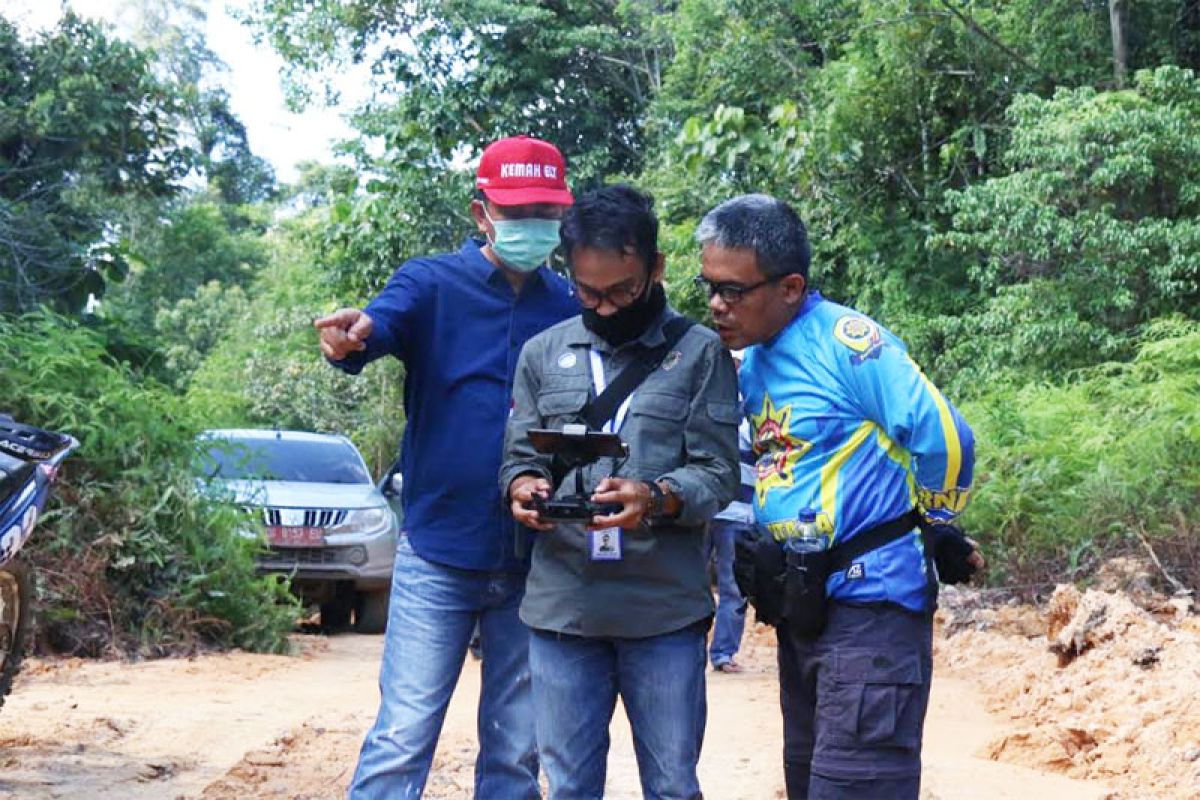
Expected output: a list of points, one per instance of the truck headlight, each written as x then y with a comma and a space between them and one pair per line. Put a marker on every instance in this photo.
364, 520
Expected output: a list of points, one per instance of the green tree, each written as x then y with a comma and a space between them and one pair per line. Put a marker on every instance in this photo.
320, 184
174, 31
192, 242
465, 72
751, 54
896, 104
191, 328
84, 128
1099, 210
359, 239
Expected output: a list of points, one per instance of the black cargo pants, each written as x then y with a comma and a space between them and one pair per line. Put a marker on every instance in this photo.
854, 702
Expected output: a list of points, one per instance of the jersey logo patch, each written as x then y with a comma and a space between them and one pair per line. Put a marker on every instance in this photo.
859, 334
951, 501
777, 449
856, 572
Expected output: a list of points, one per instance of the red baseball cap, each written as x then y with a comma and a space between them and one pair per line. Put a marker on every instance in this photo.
520, 170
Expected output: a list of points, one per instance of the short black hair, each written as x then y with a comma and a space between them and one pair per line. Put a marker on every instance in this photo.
769, 227
616, 218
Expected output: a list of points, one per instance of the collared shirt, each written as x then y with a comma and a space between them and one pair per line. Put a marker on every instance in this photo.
681, 427
458, 326
846, 425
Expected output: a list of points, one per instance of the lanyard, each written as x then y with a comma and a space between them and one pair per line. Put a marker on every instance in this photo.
613, 425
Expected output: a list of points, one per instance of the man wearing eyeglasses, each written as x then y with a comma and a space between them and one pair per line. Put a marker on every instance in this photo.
849, 431
621, 606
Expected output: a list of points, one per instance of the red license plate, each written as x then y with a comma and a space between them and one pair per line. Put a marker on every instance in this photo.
295, 536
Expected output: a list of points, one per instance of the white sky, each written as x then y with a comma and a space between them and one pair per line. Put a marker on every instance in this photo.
253, 82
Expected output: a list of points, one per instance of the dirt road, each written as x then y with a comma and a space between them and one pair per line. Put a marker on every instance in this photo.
245, 726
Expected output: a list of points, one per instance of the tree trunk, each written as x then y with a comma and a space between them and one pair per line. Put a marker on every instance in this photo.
1116, 13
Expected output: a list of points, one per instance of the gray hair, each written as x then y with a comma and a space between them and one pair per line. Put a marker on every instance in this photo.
765, 225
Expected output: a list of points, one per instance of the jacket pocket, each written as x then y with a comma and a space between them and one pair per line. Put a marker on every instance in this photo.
655, 433
660, 404
557, 407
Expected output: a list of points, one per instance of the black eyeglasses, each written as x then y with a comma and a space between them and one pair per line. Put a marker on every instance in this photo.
730, 293
621, 295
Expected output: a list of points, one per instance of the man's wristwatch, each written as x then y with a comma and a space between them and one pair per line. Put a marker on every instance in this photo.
658, 499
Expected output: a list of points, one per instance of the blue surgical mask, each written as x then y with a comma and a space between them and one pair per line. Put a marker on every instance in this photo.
523, 244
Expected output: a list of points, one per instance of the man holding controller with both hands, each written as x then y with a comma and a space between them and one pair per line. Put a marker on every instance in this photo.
620, 604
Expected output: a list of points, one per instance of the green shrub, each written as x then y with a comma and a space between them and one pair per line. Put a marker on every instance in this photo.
190, 328
131, 558
1107, 462
1026, 332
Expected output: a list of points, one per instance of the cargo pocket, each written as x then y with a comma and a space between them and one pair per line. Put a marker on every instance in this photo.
873, 698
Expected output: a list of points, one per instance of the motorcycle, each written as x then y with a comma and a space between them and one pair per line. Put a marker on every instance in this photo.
29, 461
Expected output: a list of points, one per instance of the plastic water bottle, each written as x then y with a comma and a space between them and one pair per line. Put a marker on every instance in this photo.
808, 538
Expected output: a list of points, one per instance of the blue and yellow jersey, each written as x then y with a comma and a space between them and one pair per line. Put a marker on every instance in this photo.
846, 424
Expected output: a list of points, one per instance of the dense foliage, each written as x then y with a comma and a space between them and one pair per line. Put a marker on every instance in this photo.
85, 128
989, 178
1107, 462
1092, 233
981, 176
122, 178
132, 558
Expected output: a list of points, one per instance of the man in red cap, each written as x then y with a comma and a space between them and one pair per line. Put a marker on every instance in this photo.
458, 321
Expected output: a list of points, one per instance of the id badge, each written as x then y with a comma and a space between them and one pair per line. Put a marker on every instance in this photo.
605, 544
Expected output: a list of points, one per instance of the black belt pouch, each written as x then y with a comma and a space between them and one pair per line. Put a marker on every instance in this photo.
804, 602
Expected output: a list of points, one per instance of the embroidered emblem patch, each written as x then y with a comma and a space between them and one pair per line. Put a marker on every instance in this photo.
567, 360
778, 450
856, 572
860, 335
671, 360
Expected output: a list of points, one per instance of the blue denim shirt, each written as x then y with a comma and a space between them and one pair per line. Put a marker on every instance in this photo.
458, 327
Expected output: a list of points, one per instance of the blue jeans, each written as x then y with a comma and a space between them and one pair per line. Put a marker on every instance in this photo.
432, 612
660, 679
731, 618
854, 702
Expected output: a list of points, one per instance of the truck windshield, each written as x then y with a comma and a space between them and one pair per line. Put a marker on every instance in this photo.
282, 460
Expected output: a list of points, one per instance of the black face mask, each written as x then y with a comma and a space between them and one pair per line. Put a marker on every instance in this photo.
630, 322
